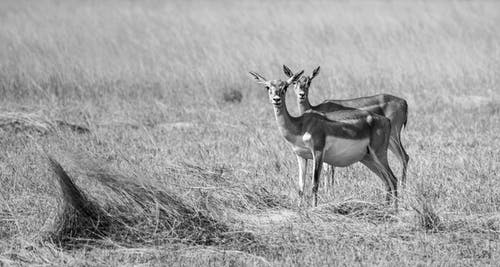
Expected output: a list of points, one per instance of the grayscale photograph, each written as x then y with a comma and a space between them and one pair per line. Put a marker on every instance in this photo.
249, 133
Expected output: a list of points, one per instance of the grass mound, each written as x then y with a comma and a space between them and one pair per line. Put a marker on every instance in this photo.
23, 121
134, 213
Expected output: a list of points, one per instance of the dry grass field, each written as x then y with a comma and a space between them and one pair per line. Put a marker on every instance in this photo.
176, 155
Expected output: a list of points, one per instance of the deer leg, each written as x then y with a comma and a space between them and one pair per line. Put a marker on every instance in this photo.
328, 181
404, 158
331, 181
325, 179
376, 158
384, 171
398, 115
370, 163
318, 162
391, 194
302, 174
397, 148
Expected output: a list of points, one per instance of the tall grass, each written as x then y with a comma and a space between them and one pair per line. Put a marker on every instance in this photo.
150, 82
84, 49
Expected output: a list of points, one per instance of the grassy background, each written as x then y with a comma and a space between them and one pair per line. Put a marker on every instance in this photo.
148, 80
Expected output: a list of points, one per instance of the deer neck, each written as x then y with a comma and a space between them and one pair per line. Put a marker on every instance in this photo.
304, 105
289, 126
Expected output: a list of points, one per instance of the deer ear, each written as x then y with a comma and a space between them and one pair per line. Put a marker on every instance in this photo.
315, 73
287, 71
258, 77
295, 77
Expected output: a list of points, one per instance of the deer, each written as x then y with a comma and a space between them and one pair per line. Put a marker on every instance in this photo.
341, 139
389, 106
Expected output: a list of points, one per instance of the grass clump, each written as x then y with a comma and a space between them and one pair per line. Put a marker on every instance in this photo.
428, 218
20, 121
426, 214
233, 96
35, 121
139, 214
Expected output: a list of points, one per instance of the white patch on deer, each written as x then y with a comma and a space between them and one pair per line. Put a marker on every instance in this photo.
369, 119
306, 137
